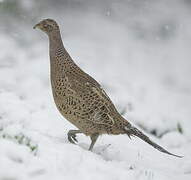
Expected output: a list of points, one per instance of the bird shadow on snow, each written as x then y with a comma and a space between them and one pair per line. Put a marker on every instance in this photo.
97, 150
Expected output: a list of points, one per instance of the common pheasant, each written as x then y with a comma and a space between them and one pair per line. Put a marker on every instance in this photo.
80, 98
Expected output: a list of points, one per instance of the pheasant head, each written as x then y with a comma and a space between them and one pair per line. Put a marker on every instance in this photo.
47, 25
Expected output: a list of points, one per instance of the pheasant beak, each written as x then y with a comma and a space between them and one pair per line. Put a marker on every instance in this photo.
37, 26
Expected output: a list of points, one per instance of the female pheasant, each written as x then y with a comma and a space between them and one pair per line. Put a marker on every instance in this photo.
80, 98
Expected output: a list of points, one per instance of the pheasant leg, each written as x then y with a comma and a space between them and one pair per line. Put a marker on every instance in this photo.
93, 139
72, 136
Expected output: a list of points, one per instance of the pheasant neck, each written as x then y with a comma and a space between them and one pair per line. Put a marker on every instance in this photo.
55, 43
58, 54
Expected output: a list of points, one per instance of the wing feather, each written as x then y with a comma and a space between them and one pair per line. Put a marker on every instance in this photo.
91, 93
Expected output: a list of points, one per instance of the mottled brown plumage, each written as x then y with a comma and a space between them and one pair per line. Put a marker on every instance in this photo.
80, 98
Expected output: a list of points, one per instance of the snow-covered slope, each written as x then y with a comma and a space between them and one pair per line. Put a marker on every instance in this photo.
145, 72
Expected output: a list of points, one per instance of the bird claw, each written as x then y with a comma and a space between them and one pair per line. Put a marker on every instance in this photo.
72, 138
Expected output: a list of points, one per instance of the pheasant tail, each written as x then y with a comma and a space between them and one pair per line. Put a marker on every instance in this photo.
133, 131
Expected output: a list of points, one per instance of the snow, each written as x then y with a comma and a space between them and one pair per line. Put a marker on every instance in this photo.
148, 80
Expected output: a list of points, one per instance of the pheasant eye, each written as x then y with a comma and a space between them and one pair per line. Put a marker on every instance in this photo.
45, 25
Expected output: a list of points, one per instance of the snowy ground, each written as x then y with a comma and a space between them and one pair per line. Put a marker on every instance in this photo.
146, 76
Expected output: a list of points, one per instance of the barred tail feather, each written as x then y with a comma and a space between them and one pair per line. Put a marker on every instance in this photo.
133, 131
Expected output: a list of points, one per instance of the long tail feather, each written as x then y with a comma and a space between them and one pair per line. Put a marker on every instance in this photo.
134, 131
